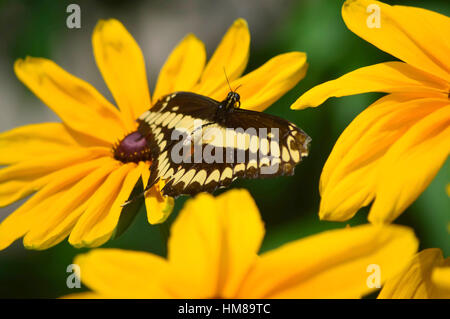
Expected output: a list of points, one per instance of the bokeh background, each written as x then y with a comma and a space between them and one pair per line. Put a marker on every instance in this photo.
288, 205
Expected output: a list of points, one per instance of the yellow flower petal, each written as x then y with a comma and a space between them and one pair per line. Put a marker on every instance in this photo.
386, 77
30, 141
122, 65
332, 264
183, 67
158, 206
349, 177
231, 55
56, 223
76, 102
21, 220
441, 276
341, 201
23, 178
97, 223
139, 273
102, 227
50, 163
416, 36
414, 281
213, 243
262, 87
410, 165
44, 236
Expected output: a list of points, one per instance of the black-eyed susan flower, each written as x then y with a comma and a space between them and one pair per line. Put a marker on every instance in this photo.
213, 253
390, 152
82, 170
426, 276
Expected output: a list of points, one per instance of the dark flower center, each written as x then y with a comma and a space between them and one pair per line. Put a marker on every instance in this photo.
132, 148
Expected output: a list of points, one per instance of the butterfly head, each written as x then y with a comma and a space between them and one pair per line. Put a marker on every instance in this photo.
233, 100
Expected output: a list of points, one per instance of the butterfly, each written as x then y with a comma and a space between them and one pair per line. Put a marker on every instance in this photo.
198, 144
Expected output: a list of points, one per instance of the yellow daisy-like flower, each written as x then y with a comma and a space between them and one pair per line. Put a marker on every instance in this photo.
427, 276
84, 168
389, 153
212, 253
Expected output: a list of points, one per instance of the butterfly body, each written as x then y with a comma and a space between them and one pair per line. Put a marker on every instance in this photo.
226, 143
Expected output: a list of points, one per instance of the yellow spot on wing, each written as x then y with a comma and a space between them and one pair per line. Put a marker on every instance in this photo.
168, 174
295, 155
144, 115
227, 173
274, 149
178, 175
175, 121
214, 176
254, 143
285, 154
252, 163
239, 167
168, 119
199, 177
264, 146
162, 118
187, 177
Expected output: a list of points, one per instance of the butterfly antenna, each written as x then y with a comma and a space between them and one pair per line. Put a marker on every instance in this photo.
228, 81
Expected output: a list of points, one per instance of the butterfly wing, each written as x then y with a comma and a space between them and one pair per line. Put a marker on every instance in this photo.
280, 145
240, 143
172, 114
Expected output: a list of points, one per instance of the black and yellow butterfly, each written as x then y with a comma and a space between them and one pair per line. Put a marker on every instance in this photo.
177, 112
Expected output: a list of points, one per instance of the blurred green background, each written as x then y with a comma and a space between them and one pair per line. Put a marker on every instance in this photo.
289, 205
